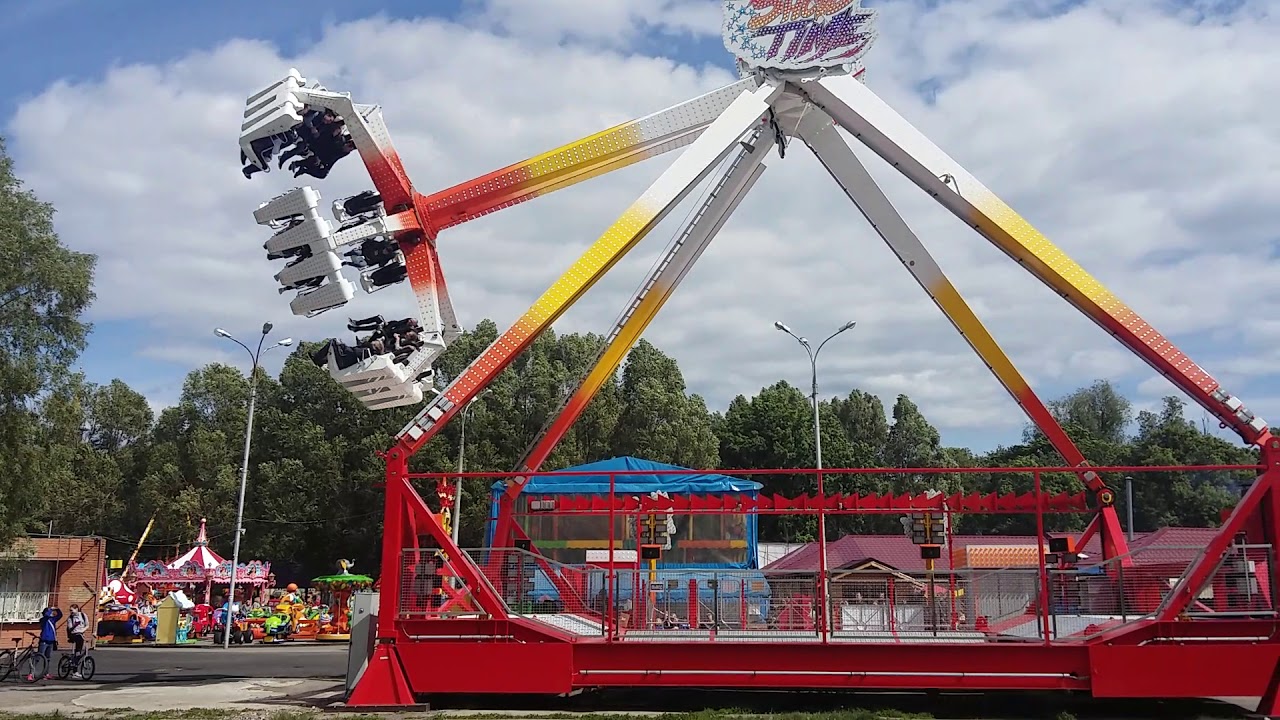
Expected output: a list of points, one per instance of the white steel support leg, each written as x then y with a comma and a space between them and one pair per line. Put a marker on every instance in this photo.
823, 138
713, 146
858, 110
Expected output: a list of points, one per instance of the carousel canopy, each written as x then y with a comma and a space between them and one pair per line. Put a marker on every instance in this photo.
200, 554
200, 565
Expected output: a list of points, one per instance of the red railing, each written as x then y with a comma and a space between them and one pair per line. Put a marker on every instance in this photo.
1042, 602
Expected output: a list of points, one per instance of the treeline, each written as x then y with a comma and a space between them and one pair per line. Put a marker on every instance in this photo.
81, 458
312, 494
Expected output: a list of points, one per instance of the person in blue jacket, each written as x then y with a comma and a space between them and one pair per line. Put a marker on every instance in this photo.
49, 634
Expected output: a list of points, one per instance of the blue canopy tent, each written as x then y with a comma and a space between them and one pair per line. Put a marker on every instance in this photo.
671, 592
634, 476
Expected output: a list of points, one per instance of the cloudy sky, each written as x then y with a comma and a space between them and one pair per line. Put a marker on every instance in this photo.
1140, 135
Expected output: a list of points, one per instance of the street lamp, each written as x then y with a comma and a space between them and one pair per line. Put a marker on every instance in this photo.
462, 454
813, 365
817, 452
255, 356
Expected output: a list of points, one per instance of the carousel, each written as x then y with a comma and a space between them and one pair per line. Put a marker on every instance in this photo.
336, 591
197, 570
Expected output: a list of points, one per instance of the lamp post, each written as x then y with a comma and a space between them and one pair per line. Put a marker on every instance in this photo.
255, 356
462, 454
817, 452
1128, 505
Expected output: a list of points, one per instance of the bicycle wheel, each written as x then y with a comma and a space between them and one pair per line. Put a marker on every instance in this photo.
6, 664
35, 667
87, 668
66, 665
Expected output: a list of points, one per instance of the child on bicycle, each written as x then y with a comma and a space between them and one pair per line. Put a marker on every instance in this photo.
77, 626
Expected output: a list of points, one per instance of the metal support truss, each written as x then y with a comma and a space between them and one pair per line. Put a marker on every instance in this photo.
715, 144
864, 115
664, 194
774, 105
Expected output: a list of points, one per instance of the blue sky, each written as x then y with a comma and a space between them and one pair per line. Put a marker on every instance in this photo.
97, 36
1100, 162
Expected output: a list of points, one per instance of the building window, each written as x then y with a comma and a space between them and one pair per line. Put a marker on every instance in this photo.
25, 594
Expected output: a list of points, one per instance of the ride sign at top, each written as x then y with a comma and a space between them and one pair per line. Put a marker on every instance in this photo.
809, 35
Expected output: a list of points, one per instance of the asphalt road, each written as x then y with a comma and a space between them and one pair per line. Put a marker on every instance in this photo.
201, 663
131, 668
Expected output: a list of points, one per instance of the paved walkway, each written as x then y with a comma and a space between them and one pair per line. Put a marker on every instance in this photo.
83, 698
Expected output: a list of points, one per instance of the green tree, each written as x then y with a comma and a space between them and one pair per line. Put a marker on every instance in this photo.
44, 289
658, 421
915, 443
861, 416
1099, 411
1196, 499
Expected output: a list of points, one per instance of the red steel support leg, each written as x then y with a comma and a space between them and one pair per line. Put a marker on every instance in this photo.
393, 531
1269, 705
1089, 531
384, 682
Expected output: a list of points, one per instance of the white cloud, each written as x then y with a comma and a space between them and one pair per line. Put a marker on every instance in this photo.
610, 22
1149, 157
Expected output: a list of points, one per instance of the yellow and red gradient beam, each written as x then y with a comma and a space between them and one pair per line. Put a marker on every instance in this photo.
567, 165
634, 224
820, 134
592, 156
859, 111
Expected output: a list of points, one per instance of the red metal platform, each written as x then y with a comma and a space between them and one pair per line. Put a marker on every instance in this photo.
1161, 621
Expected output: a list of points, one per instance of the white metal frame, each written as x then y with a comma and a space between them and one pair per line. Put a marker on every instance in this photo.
809, 103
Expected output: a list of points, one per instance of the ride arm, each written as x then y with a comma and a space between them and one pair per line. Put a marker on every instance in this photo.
820, 134
590, 157
637, 221
860, 112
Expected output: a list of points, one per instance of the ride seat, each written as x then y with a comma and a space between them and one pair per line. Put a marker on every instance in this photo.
297, 201
323, 263
311, 231
378, 382
272, 111
332, 294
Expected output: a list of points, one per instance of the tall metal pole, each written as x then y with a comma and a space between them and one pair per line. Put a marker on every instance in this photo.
1128, 505
255, 357
825, 584
462, 454
457, 482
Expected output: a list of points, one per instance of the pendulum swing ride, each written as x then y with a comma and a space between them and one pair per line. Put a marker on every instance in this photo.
801, 72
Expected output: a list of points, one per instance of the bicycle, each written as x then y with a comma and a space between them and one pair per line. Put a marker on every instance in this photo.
31, 665
82, 665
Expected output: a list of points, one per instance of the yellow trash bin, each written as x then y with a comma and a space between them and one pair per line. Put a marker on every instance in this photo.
167, 622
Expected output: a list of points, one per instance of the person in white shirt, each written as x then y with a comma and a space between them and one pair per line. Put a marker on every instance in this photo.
77, 626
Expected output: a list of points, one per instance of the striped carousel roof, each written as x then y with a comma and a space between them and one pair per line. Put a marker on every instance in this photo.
200, 554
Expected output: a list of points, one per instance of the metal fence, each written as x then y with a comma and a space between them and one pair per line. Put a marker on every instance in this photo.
1016, 604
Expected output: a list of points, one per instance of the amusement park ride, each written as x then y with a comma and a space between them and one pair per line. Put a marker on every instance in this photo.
800, 67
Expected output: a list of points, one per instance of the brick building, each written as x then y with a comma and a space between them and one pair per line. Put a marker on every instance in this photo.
56, 571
